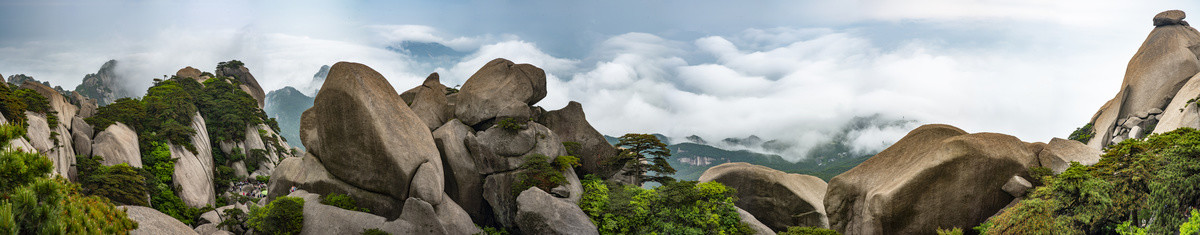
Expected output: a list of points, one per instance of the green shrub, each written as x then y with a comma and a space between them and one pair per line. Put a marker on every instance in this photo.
1192, 226
572, 148
683, 207
234, 220
232, 64
538, 171
1139, 184
21, 168
37, 103
120, 183
954, 231
263, 178
1082, 134
342, 201
813, 231
511, 124
374, 231
284, 215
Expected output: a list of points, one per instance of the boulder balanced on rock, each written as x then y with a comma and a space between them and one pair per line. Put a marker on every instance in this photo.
1155, 74
501, 89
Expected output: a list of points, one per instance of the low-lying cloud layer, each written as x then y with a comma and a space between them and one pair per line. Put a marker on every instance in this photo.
1027, 68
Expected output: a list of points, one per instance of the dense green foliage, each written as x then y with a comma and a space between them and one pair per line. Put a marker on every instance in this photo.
120, 183
683, 207
809, 231
542, 172
284, 215
232, 64
12, 106
342, 201
1082, 134
129, 111
644, 153
37, 103
1150, 183
228, 110
30, 203
234, 220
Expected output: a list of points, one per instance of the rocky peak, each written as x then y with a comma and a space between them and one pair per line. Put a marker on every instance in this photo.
105, 85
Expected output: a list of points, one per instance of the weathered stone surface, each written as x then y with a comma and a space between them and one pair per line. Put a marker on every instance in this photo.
82, 143
1155, 74
428, 101
211, 229
908, 187
454, 218
510, 143
38, 132
117, 144
1170, 17
1180, 113
194, 170
87, 106
418, 217
308, 173
540, 213
1059, 154
500, 89
357, 126
150, 221
215, 216
570, 125
498, 192
464, 183
248, 83
1016, 186
42, 138
778, 199
749, 219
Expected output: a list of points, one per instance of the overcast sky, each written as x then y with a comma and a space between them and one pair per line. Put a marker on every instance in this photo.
788, 70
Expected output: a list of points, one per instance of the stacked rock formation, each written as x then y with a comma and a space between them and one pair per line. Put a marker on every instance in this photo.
439, 147
1153, 81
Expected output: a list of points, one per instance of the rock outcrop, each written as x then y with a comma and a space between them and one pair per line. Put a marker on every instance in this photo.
428, 101
570, 124
540, 213
779, 200
58, 103
81, 136
153, 222
117, 144
758, 226
247, 81
501, 89
356, 126
1181, 112
464, 183
194, 169
937, 176
1154, 76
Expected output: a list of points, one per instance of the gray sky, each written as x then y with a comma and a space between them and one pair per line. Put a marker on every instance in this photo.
789, 70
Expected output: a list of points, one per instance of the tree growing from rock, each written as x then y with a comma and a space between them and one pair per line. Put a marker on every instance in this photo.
644, 153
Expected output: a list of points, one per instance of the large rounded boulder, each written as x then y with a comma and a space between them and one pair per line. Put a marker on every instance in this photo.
937, 176
194, 169
117, 144
500, 89
777, 199
364, 135
151, 221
